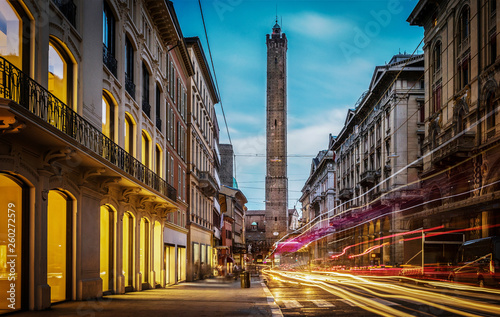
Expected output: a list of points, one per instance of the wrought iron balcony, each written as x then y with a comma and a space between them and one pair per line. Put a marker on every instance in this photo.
455, 150
109, 60
146, 107
68, 9
345, 194
207, 183
28, 94
367, 178
129, 85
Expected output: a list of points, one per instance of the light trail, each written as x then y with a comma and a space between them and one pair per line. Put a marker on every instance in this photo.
407, 293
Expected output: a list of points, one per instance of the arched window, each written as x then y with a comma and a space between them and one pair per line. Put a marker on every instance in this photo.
13, 34
146, 106
158, 107
158, 160
106, 251
490, 111
58, 245
436, 58
129, 68
108, 38
464, 26
146, 149
129, 134
108, 116
58, 74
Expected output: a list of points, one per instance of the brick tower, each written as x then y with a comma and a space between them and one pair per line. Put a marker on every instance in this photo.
276, 130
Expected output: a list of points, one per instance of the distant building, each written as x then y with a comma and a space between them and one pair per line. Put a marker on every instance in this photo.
203, 182
318, 197
232, 203
255, 231
276, 131
377, 170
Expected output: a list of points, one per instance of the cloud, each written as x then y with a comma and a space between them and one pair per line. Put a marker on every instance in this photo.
318, 26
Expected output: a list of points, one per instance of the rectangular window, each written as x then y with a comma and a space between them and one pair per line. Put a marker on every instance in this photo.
179, 183
183, 185
493, 47
436, 98
172, 180
421, 111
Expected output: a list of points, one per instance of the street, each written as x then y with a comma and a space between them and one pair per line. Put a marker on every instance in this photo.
336, 294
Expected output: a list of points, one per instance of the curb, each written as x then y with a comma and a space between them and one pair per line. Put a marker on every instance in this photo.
275, 309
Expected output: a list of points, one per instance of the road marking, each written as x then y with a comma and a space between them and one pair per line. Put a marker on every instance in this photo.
292, 303
383, 301
275, 309
322, 303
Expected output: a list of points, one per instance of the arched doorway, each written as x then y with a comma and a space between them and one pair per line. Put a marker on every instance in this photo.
13, 245
59, 229
158, 247
107, 238
144, 253
128, 251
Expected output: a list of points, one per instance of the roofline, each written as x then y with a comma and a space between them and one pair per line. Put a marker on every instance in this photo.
196, 43
181, 44
389, 68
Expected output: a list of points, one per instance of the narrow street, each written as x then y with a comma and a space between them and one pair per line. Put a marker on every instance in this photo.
303, 294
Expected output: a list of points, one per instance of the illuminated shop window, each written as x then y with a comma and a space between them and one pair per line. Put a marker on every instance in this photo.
57, 246
106, 252
128, 249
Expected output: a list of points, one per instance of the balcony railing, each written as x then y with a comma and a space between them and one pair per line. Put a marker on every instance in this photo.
367, 178
109, 60
345, 194
146, 107
17, 86
68, 9
207, 182
129, 86
455, 150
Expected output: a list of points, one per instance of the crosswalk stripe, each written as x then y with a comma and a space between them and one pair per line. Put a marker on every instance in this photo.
322, 303
292, 303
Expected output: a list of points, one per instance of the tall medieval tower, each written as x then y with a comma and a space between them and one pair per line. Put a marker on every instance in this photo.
276, 156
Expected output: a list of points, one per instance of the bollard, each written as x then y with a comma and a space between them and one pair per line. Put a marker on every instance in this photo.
243, 280
247, 279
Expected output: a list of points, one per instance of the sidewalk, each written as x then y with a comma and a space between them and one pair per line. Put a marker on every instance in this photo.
205, 298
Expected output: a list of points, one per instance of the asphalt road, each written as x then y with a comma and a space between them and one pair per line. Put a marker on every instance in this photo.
306, 294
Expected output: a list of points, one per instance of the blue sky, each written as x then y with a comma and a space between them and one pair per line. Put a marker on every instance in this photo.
333, 48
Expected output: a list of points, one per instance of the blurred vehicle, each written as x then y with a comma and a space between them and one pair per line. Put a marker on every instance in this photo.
478, 262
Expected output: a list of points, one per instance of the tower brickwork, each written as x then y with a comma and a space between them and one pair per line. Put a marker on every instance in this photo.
276, 152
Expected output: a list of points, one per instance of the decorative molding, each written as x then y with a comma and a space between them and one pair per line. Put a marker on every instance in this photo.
92, 173
128, 192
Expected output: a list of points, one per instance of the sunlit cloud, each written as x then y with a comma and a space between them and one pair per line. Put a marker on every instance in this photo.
317, 26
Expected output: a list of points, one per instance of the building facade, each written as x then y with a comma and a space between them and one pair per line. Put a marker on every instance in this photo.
460, 173
318, 199
377, 161
204, 183
93, 147
276, 130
